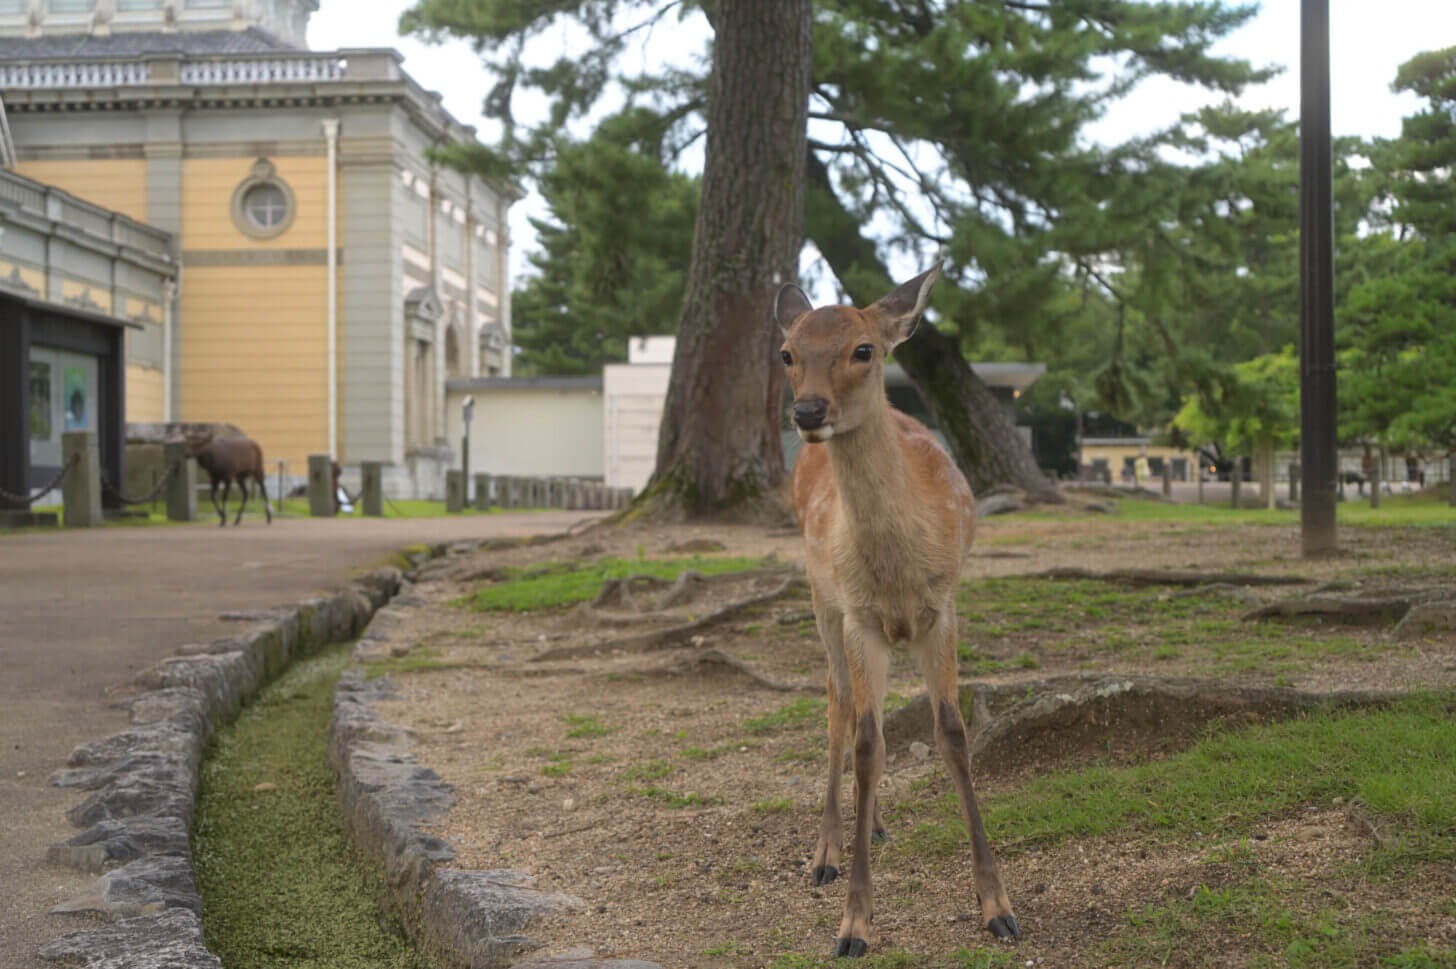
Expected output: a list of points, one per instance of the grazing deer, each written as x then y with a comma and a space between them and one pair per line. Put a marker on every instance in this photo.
887, 519
227, 460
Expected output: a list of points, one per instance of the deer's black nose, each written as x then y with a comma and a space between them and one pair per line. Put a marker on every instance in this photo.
809, 414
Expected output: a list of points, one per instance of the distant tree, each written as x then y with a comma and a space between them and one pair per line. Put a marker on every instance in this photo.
1254, 410
1397, 326
951, 127
614, 254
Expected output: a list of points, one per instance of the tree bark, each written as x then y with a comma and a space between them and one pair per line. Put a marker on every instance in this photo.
982, 438
720, 450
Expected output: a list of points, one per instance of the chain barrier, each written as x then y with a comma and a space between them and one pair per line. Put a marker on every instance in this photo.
161, 483
28, 500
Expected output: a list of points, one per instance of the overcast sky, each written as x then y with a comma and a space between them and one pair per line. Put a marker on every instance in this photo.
1369, 39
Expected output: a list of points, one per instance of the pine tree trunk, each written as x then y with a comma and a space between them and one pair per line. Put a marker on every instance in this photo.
720, 450
982, 438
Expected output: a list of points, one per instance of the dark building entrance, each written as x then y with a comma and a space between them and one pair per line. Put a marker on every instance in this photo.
61, 369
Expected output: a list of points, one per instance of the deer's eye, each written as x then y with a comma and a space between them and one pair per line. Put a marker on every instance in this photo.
864, 351
788, 358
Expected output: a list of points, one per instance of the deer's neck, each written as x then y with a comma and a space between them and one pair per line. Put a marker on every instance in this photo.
869, 470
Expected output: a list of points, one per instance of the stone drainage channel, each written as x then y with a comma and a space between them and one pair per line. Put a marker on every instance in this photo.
144, 784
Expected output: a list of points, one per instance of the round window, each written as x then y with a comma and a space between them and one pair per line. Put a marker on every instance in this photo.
265, 205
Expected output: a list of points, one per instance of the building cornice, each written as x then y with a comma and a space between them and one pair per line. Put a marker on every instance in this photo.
172, 81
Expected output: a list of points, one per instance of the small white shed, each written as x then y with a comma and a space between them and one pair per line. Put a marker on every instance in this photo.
632, 397
546, 426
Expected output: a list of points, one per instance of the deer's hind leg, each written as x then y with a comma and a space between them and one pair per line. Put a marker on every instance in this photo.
826, 861
937, 657
227, 490
263, 491
243, 487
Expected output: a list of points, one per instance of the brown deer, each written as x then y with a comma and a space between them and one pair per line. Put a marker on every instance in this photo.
887, 519
227, 460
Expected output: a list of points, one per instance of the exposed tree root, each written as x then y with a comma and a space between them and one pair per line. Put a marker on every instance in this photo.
713, 660
1086, 715
1354, 612
1170, 577
674, 636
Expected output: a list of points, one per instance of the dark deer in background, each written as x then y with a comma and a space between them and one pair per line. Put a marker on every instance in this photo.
227, 460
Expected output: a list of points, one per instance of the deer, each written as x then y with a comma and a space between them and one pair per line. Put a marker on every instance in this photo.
887, 519
227, 460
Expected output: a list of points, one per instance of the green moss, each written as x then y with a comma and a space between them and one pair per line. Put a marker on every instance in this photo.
280, 885
555, 584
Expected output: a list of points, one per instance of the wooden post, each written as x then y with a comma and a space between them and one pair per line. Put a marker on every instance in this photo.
482, 492
1375, 478
1236, 479
81, 488
1294, 482
372, 488
320, 486
181, 488
454, 490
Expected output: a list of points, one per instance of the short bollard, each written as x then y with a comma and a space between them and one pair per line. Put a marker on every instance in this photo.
454, 491
482, 492
1294, 482
372, 488
320, 486
181, 490
506, 491
81, 487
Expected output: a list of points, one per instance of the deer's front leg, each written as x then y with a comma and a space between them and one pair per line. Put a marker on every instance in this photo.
826, 862
868, 657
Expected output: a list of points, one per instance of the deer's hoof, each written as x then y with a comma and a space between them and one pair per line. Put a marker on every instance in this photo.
1004, 927
825, 874
850, 948
879, 836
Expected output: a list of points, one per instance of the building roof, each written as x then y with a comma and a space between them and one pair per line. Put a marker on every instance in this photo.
478, 385
139, 42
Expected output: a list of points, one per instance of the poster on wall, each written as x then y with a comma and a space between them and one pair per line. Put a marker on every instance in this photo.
75, 390
40, 401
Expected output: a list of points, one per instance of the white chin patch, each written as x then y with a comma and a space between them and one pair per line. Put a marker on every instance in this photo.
818, 435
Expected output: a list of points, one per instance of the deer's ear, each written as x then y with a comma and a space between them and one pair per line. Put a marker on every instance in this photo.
790, 304
899, 310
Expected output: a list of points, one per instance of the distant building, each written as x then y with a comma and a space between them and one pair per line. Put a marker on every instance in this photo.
332, 278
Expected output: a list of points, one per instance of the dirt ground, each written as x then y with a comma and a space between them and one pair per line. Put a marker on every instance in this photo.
676, 790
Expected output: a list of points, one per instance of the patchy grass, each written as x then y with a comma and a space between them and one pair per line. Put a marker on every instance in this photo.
555, 584
280, 885
1085, 619
1277, 922
1397, 761
586, 725
1429, 509
803, 712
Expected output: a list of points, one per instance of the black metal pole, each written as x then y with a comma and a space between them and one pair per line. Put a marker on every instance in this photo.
1317, 271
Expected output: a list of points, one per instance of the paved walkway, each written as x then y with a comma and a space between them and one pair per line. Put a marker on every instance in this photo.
82, 611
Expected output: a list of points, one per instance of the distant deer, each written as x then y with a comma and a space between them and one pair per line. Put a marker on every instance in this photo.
227, 460
887, 519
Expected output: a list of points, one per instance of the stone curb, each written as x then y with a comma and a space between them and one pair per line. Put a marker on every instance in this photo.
465, 919
143, 783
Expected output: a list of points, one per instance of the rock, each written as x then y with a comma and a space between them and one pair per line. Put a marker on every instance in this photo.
997, 505
1307, 833
171, 940
145, 784
1427, 619
569, 804
120, 840
920, 751
399, 650
480, 915
265, 786
697, 545
146, 886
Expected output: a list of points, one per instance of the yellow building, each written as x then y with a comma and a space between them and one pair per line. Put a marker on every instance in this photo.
332, 278
1116, 459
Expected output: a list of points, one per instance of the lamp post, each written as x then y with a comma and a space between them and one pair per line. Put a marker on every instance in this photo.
1316, 284
467, 410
